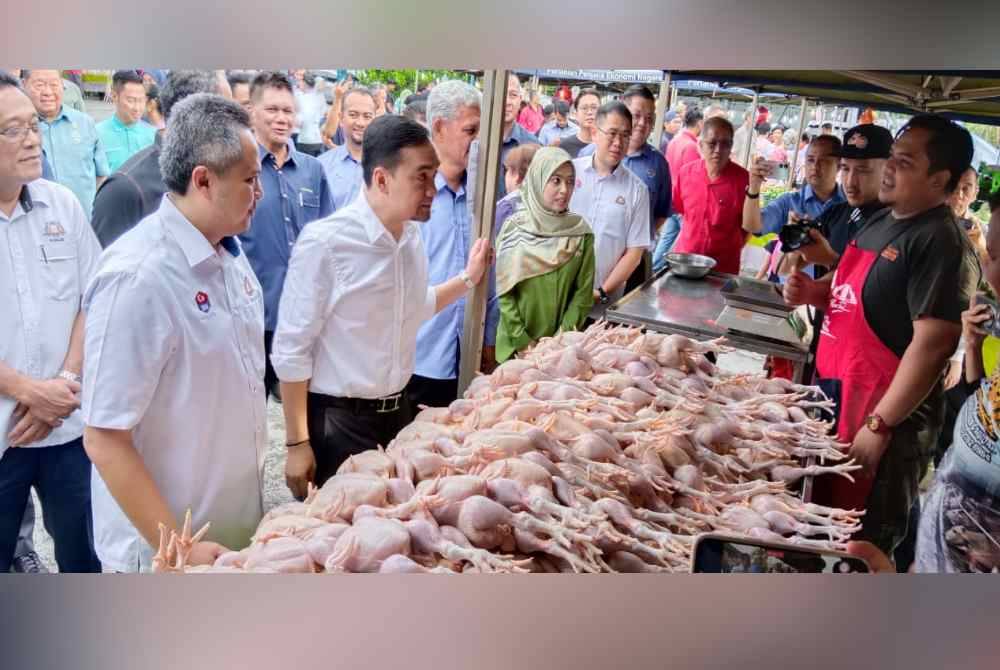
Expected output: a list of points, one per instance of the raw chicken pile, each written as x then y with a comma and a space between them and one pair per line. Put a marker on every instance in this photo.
607, 450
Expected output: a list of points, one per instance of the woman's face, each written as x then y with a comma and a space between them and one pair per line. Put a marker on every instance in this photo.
559, 188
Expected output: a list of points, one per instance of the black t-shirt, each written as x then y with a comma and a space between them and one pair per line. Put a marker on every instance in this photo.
129, 195
841, 222
572, 145
926, 268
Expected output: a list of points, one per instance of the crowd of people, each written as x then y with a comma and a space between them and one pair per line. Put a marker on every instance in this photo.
233, 236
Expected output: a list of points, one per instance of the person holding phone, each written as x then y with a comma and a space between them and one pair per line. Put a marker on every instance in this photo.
892, 320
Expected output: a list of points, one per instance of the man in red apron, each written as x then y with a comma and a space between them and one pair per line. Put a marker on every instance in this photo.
893, 313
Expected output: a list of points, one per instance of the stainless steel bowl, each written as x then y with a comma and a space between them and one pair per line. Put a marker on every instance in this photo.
691, 266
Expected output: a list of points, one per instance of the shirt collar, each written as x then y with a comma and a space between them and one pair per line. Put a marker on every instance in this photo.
119, 125
809, 194
264, 153
441, 183
642, 152
373, 225
61, 115
193, 243
590, 166
344, 154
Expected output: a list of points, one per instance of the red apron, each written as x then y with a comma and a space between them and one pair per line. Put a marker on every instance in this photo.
851, 353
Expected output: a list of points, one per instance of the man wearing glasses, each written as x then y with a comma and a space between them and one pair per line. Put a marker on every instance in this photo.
72, 145
586, 106
614, 202
709, 194
50, 253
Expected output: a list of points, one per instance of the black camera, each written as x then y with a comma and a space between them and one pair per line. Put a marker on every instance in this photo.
794, 236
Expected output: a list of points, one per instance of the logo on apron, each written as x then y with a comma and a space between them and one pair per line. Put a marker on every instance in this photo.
890, 253
201, 299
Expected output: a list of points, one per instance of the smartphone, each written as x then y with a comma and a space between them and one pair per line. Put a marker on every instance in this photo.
991, 325
718, 553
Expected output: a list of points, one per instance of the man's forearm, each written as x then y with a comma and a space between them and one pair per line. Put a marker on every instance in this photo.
74, 355
448, 292
752, 220
294, 396
128, 480
12, 382
623, 269
974, 367
332, 120
918, 372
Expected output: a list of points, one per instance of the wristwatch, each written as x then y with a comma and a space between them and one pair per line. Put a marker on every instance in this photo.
69, 376
877, 425
752, 196
469, 284
604, 295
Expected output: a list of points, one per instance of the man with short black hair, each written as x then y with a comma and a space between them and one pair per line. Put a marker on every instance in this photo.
136, 189
671, 126
587, 102
125, 134
615, 202
416, 110
559, 127
72, 144
295, 193
49, 255
173, 392
239, 82
357, 290
892, 320
342, 165
827, 128
683, 149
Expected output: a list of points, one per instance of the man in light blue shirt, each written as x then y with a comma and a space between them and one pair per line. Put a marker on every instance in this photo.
125, 133
559, 127
453, 111
819, 193
72, 145
342, 165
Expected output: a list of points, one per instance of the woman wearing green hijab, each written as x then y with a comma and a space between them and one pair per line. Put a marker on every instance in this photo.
545, 257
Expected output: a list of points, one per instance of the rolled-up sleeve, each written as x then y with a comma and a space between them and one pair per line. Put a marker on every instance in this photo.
430, 304
775, 214
638, 229
304, 307
127, 343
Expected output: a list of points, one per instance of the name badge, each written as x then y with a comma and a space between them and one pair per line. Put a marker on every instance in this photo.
57, 251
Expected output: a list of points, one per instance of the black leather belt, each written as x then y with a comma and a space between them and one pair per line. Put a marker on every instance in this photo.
384, 405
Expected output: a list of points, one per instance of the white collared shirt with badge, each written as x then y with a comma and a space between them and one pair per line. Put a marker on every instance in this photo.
51, 254
175, 353
352, 303
617, 209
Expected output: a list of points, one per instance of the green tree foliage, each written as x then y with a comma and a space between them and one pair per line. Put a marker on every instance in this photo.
406, 79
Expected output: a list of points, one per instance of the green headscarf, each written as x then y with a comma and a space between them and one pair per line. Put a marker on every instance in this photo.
535, 240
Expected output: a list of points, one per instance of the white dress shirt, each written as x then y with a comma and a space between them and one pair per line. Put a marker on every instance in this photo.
617, 209
48, 253
175, 353
353, 301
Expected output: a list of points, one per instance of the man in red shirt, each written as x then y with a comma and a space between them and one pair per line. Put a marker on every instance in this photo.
709, 193
683, 148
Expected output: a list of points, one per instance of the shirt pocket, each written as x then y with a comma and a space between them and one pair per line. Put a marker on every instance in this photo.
61, 270
309, 202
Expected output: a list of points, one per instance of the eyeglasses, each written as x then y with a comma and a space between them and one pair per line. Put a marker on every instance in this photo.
624, 137
18, 133
587, 109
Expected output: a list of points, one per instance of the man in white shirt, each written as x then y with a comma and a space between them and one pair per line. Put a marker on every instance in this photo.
614, 202
173, 395
47, 253
355, 295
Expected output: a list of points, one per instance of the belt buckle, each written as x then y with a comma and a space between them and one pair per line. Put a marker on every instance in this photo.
388, 404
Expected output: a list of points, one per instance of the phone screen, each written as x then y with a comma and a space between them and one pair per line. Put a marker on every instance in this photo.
716, 555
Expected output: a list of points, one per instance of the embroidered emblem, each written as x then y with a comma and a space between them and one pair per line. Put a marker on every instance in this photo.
201, 299
650, 173
890, 253
858, 140
54, 229
620, 200
248, 286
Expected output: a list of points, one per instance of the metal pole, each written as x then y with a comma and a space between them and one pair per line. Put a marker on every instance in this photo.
662, 103
487, 173
752, 135
416, 82
798, 140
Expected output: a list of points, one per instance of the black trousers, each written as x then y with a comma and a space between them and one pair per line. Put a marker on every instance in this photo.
337, 432
431, 392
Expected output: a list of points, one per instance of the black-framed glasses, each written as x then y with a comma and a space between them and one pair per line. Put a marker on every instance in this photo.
616, 135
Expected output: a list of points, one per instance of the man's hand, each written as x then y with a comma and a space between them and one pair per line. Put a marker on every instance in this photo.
29, 428
867, 450
480, 258
801, 289
954, 375
51, 400
972, 319
300, 469
205, 553
819, 252
488, 363
760, 170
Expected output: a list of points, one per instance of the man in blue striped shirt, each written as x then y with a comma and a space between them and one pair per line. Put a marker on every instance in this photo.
295, 193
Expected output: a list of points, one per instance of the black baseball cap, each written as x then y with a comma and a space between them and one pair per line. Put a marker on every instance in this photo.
866, 141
